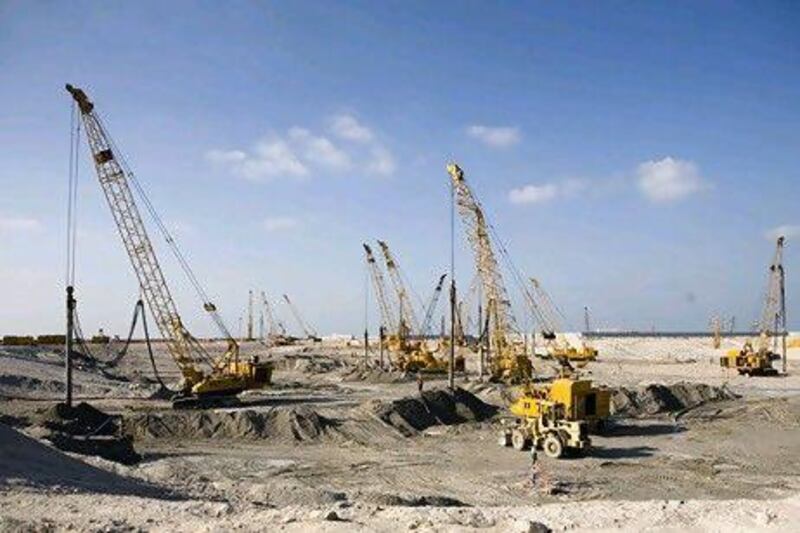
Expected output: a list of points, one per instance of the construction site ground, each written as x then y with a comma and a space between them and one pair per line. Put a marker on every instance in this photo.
337, 446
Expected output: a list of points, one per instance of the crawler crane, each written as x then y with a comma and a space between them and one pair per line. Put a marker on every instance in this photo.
204, 377
407, 340
755, 358
508, 360
309, 332
556, 344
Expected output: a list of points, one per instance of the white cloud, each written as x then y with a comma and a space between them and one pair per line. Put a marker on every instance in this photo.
347, 127
495, 137
381, 162
270, 157
787, 230
535, 194
225, 156
19, 224
318, 150
280, 223
669, 179
301, 151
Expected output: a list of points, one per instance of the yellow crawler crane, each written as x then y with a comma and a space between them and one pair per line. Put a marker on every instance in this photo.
755, 359
508, 361
547, 315
204, 377
410, 354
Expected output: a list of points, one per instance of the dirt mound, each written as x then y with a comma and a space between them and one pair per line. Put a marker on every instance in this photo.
414, 501
15, 383
81, 419
377, 375
85, 430
296, 424
310, 364
411, 415
24, 460
494, 393
657, 398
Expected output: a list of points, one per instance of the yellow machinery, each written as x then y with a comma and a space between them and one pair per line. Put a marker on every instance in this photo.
204, 376
750, 361
756, 360
407, 354
508, 360
557, 416
547, 316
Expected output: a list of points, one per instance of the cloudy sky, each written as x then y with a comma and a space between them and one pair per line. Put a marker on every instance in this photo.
638, 158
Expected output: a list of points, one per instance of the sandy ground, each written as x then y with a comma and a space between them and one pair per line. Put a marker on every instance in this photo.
324, 461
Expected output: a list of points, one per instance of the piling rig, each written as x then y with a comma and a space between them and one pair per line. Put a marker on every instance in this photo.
508, 361
206, 379
756, 356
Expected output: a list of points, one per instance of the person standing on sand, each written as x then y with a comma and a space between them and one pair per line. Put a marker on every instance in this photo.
534, 466
420, 382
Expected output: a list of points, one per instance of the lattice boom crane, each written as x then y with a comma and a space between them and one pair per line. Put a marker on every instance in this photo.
227, 375
506, 361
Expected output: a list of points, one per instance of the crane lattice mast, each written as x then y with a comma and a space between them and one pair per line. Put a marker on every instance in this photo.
405, 309
274, 326
307, 329
502, 323
545, 311
387, 315
115, 181
773, 313
427, 322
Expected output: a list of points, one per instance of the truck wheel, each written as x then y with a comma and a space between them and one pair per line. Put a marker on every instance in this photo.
519, 441
553, 447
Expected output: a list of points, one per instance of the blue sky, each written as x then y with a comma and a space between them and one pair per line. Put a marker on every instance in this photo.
633, 156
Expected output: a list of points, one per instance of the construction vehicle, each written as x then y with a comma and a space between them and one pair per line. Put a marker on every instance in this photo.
276, 332
508, 360
557, 416
405, 339
547, 317
755, 357
309, 332
205, 378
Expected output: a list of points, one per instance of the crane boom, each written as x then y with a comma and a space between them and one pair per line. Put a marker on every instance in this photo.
114, 181
407, 316
274, 327
773, 313
546, 312
387, 315
226, 375
308, 330
505, 363
427, 322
